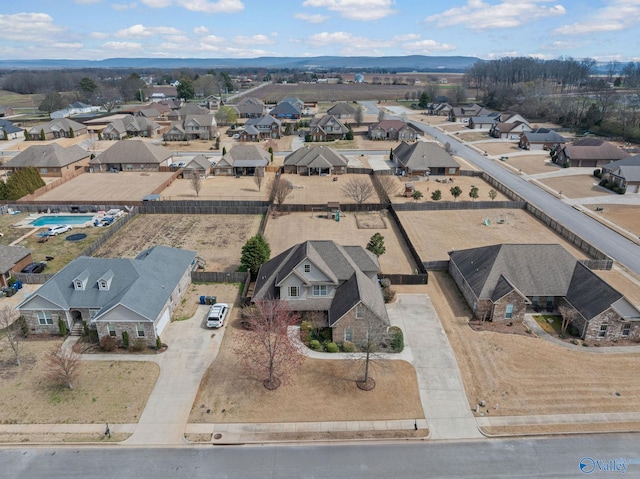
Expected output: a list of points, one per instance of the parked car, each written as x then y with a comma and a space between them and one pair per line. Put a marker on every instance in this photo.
34, 268
217, 315
55, 230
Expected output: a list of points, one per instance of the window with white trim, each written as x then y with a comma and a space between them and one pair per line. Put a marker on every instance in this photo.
508, 312
112, 329
45, 317
359, 311
93, 313
319, 289
294, 291
307, 268
140, 330
348, 334
603, 330
626, 329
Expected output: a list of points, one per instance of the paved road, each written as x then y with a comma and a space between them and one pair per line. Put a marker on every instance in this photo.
522, 458
616, 246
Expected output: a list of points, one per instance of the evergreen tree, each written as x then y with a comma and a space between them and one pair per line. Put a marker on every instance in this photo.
376, 244
436, 195
254, 253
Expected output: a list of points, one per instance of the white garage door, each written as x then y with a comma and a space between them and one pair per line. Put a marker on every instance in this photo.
164, 320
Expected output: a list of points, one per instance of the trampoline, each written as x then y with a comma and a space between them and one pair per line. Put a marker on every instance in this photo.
76, 237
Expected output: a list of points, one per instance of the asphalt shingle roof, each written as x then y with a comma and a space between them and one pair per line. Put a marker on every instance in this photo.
133, 151
48, 156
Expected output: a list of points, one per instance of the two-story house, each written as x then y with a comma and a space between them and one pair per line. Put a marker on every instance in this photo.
391, 130
327, 128
322, 276
262, 128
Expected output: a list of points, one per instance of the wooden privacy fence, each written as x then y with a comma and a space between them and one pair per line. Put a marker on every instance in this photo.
109, 232
459, 205
33, 278
218, 277
405, 278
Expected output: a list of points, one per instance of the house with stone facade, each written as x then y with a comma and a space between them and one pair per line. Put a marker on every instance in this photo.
317, 160
506, 281
340, 282
327, 128
391, 130
424, 158
625, 173
59, 128
132, 155
113, 295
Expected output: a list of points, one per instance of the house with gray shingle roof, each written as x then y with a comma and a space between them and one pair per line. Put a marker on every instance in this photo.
249, 107
342, 110
242, 160
12, 260
113, 295
198, 165
262, 128
132, 155
503, 282
50, 160
623, 173
424, 158
317, 160
284, 109
589, 152
327, 128
59, 128
130, 126
541, 139
391, 130
322, 276
8, 131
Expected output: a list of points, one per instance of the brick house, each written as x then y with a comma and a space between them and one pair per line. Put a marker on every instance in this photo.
12, 260
261, 128
130, 126
321, 276
503, 282
50, 160
391, 130
132, 155
624, 173
59, 128
541, 139
327, 128
317, 160
589, 152
242, 160
113, 295
424, 158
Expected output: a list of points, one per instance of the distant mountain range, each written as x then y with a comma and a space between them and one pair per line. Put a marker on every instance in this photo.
390, 63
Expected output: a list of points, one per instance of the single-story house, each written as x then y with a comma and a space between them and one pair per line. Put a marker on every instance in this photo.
317, 160
6, 111
8, 131
322, 276
508, 130
113, 295
439, 109
130, 126
60, 128
484, 122
159, 93
424, 158
199, 165
342, 110
295, 101
287, 110
541, 139
12, 260
242, 160
503, 282
327, 128
132, 155
50, 160
589, 152
624, 173
75, 108
391, 130
463, 113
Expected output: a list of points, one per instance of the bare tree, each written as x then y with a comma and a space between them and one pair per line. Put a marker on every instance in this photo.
358, 116
568, 315
63, 366
266, 348
375, 333
387, 186
381, 115
279, 189
258, 178
12, 330
196, 182
359, 189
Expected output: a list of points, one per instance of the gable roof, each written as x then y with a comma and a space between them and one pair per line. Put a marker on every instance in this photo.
10, 255
593, 148
352, 292
264, 120
627, 168
342, 108
198, 162
133, 151
245, 156
306, 156
6, 125
422, 155
64, 124
387, 125
544, 135
285, 109
143, 284
48, 156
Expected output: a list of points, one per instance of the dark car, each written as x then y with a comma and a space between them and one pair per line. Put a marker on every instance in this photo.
34, 268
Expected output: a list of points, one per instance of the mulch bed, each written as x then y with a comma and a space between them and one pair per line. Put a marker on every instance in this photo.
517, 327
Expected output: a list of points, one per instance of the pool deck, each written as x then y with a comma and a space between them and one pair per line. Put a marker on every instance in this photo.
27, 222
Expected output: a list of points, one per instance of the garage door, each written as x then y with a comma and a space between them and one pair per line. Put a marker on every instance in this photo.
164, 320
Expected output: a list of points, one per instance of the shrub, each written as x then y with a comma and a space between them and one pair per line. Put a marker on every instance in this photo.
125, 339
22, 322
332, 347
158, 343
138, 345
385, 282
325, 334
388, 294
85, 328
108, 343
11, 281
314, 344
397, 339
597, 173
62, 326
348, 347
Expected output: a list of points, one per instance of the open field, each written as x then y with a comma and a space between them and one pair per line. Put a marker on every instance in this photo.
325, 92
288, 230
577, 186
525, 375
474, 135
220, 188
105, 187
462, 229
497, 147
627, 283
625, 216
318, 190
322, 390
218, 239
532, 164
105, 391
427, 187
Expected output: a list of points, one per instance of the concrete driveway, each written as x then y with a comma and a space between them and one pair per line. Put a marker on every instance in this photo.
442, 393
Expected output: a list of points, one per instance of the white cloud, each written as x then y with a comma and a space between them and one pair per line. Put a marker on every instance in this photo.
122, 7
348, 44
29, 27
364, 10
253, 40
85, 2
478, 15
200, 30
406, 38
126, 46
427, 47
305, 17
142, 31
204, 6
618, 15
99, 35
67, 45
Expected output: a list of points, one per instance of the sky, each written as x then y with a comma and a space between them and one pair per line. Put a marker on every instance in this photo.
605, 30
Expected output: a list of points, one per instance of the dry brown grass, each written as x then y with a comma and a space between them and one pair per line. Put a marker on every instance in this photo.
427, 187
532, 430
531, 164
105, 391
626, 216
220, 188
498, 147
322, 390
218, 239
528, 375
576, 186
58, 438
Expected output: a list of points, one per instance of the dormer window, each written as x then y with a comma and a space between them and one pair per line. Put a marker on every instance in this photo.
80, 281
104, 282
78, 284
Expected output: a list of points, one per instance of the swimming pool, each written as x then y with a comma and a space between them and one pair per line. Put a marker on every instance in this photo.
61, 220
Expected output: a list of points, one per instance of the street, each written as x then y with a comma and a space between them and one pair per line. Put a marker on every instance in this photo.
541, 457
